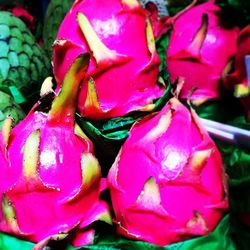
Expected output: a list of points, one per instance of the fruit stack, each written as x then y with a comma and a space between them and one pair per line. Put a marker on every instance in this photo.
105, 148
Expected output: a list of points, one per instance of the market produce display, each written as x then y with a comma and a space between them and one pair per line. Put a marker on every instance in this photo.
109, 151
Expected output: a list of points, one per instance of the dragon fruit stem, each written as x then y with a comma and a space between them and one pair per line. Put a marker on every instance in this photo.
63, 107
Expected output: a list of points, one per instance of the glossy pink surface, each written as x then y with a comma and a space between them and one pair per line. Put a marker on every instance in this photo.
168, 183
126, 83
50, 178
202, 63
42, 204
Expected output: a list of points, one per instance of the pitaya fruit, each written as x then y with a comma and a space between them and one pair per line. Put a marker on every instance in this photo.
50, 178
235, 73
9, 108
167, 183
200, 52
23, 63
124, 64
56, 11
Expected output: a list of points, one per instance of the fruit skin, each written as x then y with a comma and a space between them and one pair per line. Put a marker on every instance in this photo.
23, 64
200, 53
178, 187
9, 108
235, 75
124, 65
50, 178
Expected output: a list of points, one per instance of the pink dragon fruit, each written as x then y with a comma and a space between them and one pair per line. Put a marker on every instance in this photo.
50, 179
199, 48
124, 65
167, 183
235, 75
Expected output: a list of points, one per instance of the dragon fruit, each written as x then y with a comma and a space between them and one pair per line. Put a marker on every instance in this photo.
235, 73
50, 178
23, 63
124, 65
9, 108
200, 53
167, 183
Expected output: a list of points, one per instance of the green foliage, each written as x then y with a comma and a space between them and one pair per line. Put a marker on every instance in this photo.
106, 239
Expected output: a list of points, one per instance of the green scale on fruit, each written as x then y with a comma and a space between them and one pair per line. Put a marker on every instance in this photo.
9, 108
23, 64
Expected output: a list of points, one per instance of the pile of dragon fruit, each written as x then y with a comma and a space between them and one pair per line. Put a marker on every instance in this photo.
102, 145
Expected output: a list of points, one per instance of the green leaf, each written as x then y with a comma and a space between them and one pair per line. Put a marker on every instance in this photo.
108, 136
161, 47
8, 242
219, 239
222, 238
